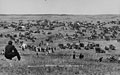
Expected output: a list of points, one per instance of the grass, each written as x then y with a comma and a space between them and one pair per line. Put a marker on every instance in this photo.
88, 66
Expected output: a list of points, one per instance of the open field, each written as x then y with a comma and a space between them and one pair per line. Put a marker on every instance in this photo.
60, 62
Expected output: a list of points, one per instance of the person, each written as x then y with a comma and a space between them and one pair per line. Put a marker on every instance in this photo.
11, 51
100, 59
74, 55
23, 45
81, 56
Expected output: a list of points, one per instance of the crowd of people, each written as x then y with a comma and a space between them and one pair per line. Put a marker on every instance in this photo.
56, 30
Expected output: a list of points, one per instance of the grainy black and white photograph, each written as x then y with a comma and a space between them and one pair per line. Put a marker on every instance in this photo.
59, 37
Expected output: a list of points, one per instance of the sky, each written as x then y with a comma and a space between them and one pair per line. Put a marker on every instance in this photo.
60, 7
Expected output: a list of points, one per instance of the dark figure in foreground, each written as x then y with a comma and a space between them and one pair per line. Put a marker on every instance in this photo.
11, 51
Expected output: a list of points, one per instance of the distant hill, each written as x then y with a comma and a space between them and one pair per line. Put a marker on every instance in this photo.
57, 15
36, 15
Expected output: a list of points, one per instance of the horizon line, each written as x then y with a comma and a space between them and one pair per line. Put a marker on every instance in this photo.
57, 14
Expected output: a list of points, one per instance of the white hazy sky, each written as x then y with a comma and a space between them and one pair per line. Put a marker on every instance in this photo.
59, 6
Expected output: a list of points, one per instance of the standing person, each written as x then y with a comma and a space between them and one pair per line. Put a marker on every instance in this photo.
74, 55
23, 46
11, 51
